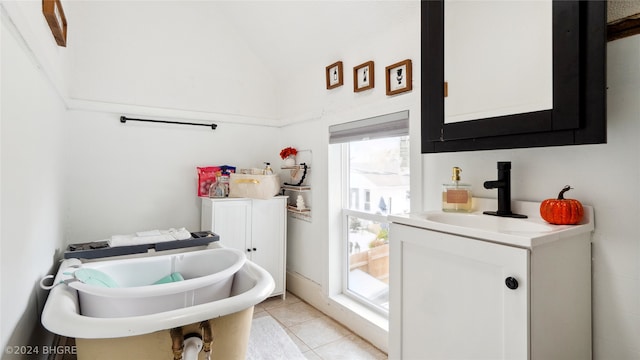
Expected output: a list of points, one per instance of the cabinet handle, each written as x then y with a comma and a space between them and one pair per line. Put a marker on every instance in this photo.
249, 250
511, 283
254, 249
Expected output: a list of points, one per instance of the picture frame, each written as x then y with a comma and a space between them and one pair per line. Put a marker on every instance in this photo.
399, 77
334, 75
53, 12
363, 77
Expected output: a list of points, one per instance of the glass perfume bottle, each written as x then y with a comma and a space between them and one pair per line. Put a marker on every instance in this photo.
456, 197
267, 169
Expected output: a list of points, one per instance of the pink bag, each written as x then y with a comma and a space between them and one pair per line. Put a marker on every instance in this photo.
207, 176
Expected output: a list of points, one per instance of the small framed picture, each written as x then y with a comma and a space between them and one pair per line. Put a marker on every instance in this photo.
399, 77
334, 75
363, 77
53, 12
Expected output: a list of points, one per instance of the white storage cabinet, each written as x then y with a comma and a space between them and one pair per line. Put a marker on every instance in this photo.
457, 297
257, 227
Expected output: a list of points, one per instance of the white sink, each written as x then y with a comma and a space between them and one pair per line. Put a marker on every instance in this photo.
529, 232
489, 223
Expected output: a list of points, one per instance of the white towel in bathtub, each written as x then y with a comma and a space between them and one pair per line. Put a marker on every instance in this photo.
149, 237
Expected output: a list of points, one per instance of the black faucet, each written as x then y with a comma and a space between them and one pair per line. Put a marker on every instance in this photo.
503, 184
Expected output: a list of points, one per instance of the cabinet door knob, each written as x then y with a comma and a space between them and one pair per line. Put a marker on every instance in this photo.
511, 283
254, 249
249, 250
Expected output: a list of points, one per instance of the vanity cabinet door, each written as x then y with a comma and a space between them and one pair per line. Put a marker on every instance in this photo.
231, 220
269, 237
257, 227
450, 298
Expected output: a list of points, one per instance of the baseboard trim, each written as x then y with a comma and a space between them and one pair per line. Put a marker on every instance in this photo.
363, 322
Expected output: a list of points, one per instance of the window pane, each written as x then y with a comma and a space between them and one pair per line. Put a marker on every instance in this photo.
368, 251
378, 185
379, 175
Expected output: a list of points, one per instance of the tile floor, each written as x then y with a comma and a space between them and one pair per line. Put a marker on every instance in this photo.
316, 335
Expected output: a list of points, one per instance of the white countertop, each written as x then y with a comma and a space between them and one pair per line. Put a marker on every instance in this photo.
527, 233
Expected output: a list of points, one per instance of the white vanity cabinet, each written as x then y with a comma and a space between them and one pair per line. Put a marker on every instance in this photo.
257, 227
467, 297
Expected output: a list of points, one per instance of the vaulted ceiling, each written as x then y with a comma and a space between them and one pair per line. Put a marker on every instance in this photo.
272, 28
250, 59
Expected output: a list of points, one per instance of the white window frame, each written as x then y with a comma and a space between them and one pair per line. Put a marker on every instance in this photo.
345, 260
384, 126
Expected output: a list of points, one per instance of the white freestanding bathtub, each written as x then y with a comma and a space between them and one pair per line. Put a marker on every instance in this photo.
65, 310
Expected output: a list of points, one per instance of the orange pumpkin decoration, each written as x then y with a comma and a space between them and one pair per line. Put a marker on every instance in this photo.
562, 211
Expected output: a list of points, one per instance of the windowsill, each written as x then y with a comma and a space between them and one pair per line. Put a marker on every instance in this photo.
371, 316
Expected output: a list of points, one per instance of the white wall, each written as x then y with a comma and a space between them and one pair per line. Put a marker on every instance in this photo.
603, 176
122, 178
70, 176
305, 240
306, 97
317, 108
32, 197
38, 41
158, 59
167, 55
597, 172
313, 248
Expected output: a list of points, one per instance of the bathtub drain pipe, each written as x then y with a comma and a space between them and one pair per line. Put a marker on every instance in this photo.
177, 343
207, 337
192, 347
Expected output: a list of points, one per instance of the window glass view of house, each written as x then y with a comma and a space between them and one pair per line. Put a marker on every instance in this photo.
373, 170
379, 174
378, 181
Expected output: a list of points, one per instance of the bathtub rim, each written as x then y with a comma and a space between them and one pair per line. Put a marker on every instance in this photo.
61, 313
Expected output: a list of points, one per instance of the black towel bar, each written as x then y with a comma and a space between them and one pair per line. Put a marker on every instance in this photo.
124, 119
